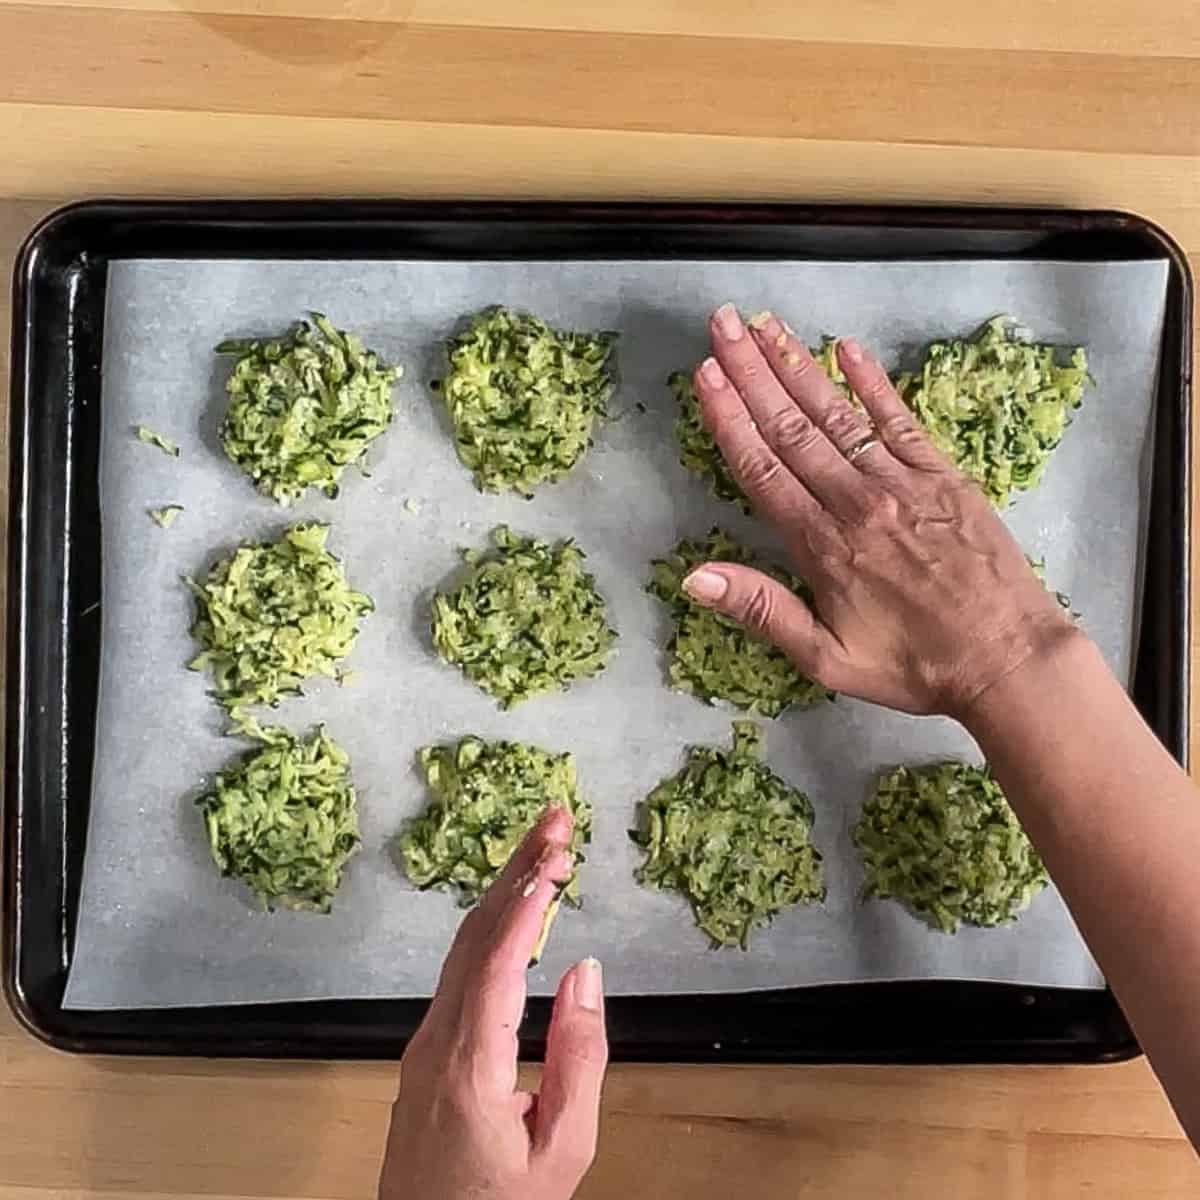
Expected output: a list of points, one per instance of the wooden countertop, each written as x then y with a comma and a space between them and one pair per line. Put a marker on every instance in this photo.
1075, 103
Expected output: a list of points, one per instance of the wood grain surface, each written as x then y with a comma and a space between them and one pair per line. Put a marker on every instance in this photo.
1075, 103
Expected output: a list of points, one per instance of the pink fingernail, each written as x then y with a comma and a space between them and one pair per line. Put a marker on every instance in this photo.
850, 350
705, 586
589, 984
729, 324
711, 373
554, 815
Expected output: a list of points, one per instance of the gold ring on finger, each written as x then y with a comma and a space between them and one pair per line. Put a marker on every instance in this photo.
861, 447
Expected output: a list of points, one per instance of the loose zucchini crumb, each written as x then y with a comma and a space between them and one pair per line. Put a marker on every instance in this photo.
283, 818
272, 615
1062, 599
527, 619
523, 398
147, 435
698, 451
996, 405
165, 517
713, 657
303, 407
484, 798
732, 837
942, 840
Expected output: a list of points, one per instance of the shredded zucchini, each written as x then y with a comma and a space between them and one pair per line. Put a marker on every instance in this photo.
526, 619
1062, 599
147, 435
523, 398
698, 451
732, 837
996, 406
943, 840
303, 407
272, 615
484, 798
283, 819
165, 517
713, 657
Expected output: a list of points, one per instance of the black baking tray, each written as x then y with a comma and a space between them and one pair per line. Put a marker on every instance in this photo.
53, 631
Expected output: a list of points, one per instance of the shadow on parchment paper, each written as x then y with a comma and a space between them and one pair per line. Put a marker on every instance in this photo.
215, 403
429, 366
212, 415
421, 617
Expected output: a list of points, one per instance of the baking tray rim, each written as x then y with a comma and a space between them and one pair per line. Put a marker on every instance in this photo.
293, 215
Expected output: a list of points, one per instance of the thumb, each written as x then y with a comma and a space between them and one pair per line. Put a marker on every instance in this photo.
766, 607
568, 1107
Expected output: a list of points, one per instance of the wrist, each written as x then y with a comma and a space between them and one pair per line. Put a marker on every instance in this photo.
1056, 667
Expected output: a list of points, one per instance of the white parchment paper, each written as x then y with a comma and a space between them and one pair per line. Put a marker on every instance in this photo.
158, 927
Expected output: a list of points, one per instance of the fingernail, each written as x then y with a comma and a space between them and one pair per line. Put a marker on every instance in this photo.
850, 350
771, 329
589, 984
711, 373
553, 815
706, 586
729, 324
761, 320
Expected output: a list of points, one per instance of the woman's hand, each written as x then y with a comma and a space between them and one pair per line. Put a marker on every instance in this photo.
460, 1128
922, 599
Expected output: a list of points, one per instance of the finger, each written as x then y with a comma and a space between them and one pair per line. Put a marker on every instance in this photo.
804, 379
568, 1110
773, 490
481, 995
897, 427
501, 933
551, 832
766, 607
495, 988
786, 427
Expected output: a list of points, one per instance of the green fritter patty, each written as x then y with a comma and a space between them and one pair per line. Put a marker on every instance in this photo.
732, 837
303, 407
283, 819
273, 614
996, 405
523, 398
526, 619
484, 798
712, 656
942, 840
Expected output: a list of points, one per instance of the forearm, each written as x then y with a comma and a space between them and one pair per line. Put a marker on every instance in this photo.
1118, 826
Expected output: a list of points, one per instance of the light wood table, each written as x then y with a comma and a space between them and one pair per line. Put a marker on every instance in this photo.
1075, 103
